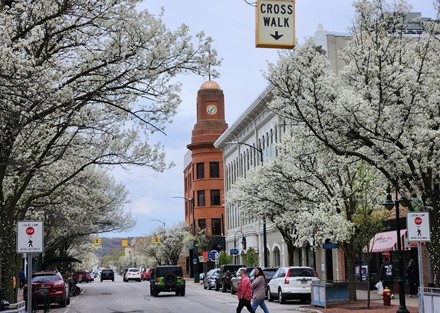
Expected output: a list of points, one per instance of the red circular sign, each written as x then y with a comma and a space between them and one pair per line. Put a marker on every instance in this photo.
30, 231
418, 220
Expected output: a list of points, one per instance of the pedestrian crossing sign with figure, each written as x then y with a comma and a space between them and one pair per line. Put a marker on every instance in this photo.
29, 237
418, 227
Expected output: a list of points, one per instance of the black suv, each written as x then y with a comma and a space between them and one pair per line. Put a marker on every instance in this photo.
226, 272
167, 278
107, 275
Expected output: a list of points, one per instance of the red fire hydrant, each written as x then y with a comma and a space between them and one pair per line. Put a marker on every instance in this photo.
386, 296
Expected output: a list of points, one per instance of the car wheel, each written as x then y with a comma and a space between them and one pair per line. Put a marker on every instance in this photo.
101, 280
269, 295
63, 302
182, 292
281, 297
232, 290
217, 287
204, 286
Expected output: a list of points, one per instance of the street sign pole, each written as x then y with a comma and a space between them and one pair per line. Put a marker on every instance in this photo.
29, 282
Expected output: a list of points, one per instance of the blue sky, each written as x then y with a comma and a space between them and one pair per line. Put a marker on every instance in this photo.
231, 24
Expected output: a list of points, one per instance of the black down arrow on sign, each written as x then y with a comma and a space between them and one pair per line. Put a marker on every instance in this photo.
276, 36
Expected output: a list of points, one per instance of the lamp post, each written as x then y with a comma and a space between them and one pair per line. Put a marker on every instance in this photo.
389, 204
264, 220
163, 223
243, 241
195, 256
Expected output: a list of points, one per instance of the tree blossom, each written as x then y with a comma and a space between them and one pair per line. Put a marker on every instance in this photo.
382, 107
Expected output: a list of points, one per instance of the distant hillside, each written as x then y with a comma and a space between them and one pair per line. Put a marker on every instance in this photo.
109, 246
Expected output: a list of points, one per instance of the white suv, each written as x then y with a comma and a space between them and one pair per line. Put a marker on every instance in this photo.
132, 274
292, 282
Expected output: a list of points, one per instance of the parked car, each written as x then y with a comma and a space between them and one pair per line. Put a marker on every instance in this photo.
132, 273
82, 276
145, 274
226, 272
167, 278
107, 274
236, 279
51, 286
268, 273
210, 277
291, 283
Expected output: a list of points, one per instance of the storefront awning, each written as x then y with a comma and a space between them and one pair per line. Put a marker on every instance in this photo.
387, 241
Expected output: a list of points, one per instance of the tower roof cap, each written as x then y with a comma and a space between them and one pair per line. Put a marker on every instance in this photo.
210, 84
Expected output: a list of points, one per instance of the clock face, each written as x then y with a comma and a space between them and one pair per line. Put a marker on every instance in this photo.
211, 109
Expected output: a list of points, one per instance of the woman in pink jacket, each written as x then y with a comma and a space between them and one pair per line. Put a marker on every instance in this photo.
244, 292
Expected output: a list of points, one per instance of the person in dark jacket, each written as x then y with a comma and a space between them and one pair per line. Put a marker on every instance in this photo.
412, 274
21, 278
388, 275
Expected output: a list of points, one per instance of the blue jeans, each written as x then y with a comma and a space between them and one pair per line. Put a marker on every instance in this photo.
259, 303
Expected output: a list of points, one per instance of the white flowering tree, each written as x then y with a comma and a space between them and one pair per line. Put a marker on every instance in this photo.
306, 191
382, 107
88, 81
172, 241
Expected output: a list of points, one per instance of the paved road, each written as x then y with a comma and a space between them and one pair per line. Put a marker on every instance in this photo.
134, 297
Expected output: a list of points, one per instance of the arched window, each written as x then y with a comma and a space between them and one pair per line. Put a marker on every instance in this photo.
276, 257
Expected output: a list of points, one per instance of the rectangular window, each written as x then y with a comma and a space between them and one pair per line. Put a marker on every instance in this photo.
201, 197
215, 197
202, 224
200, 170
214, 169
216, 226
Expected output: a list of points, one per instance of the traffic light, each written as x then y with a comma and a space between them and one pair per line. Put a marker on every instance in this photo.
155, 240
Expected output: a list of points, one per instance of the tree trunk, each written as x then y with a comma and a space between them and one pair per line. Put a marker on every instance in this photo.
350, 254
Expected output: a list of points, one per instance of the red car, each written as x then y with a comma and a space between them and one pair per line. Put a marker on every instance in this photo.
146, 273
50, 284
82, 276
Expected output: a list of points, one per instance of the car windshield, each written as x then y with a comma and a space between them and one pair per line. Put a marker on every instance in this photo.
133, 270
162, 271
301, 272
45, 278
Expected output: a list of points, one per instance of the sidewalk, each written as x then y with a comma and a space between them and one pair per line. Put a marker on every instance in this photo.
376, 305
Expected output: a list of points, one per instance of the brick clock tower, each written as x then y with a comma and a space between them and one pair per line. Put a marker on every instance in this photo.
203, 174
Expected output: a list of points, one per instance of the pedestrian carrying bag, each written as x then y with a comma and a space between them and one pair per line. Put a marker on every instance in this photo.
379, 287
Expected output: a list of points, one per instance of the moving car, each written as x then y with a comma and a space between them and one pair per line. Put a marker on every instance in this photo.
49, 286
132, 273
167, 278
145, 274
107, 274
227, 271
236, 279
292, 282
209, 280
82, 276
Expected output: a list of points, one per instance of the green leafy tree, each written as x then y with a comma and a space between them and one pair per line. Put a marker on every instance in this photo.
251, 258
224, 258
